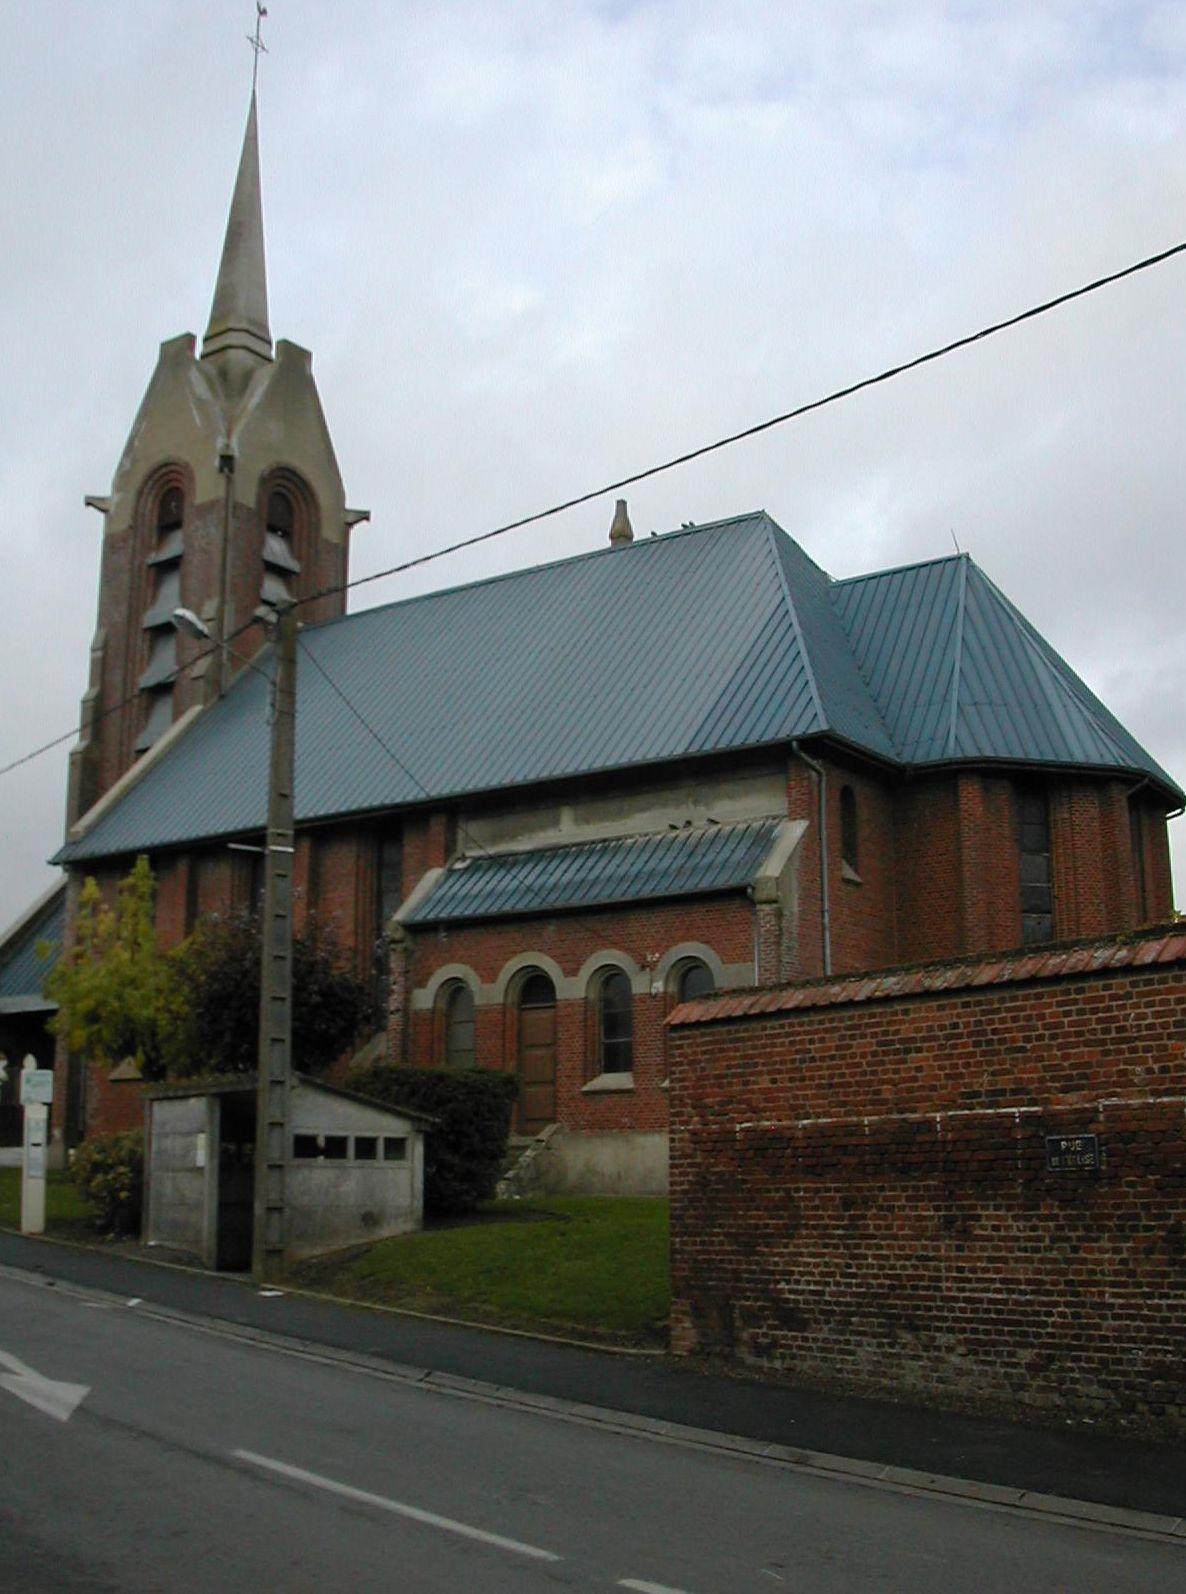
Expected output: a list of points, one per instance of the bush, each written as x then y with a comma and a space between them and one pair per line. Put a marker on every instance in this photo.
465, 1147
218, 986
109, 1173
115, 991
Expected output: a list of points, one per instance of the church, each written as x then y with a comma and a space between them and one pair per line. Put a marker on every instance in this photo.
541, 810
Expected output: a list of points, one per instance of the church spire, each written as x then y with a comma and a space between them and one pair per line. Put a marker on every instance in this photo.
239, 314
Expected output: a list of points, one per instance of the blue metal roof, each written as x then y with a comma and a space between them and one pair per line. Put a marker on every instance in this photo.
23, 971
596, 873
706, 640
960, 675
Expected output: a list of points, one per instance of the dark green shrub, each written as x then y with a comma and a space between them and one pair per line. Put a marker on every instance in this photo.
218, 986
465, 1147
109, 1173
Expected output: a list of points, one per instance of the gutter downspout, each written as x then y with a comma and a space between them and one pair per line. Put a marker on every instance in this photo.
821, 806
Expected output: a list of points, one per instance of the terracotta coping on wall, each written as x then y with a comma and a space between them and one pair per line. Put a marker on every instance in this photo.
1164, 945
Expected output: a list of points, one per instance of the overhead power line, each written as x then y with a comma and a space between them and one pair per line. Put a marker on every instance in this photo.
76, 730
463, 830
764, 426
685, 458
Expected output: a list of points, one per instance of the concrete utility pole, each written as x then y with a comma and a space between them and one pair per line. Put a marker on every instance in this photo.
270, 1233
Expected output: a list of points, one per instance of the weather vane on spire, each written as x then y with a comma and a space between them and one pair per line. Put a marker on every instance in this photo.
256, 43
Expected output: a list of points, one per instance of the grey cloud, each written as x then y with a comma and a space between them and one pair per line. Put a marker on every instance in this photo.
534, 247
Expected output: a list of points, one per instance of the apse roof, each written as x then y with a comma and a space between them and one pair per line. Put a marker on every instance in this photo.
707, 640
671, 863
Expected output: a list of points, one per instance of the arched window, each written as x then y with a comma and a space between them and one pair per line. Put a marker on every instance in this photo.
692, 981
615, 1023
458, 1046
849, 837
281, 536
537, 1053
281, 517
170, 511
164, 540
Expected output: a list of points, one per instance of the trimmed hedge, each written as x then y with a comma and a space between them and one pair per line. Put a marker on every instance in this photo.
465, 1148
109, 1173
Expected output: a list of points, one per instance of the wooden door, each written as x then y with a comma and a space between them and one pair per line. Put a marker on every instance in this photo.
537, 1054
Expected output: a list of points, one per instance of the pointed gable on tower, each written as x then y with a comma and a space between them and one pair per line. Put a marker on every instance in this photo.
227, 494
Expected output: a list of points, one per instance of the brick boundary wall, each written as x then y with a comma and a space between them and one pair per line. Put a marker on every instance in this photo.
861, 1197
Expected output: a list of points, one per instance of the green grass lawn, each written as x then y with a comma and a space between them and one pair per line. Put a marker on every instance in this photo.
65, 1209
595, 1265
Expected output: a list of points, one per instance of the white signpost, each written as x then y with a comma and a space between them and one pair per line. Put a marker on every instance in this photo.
37, 1092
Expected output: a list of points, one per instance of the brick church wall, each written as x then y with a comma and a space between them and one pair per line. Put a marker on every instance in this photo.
937, 876
643, 935
860, 1192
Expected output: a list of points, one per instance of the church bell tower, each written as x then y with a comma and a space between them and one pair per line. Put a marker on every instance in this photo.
227, 497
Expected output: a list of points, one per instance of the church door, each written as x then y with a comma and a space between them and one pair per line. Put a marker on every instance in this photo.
537, 1054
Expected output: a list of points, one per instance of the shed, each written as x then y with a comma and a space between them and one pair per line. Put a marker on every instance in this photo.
355, 1169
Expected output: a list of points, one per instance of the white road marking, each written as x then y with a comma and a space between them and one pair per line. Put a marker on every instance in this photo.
414, 1513
642, 1587
55, 1399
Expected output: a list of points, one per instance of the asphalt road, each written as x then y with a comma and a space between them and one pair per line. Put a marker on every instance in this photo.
195, 1461
1076, 1462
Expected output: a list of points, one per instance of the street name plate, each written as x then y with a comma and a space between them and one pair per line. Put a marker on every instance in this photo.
1072, 1153
37, 1087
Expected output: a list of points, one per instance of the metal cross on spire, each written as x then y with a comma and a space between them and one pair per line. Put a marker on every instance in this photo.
256, 43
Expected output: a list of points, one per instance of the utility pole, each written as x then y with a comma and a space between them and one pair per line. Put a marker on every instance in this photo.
270, 1233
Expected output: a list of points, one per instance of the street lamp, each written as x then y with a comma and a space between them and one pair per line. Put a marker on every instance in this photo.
273, 1083
188, 624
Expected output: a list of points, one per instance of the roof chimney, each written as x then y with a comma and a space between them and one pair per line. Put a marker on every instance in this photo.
621, 532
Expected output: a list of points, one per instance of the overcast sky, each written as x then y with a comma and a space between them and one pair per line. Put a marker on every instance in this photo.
536, 246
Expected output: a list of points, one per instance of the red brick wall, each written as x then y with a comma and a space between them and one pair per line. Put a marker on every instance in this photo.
926, 834
938, 877
1156, 848
863, 910
958, 885
726, 924
345, 884
860, 1194
803, 939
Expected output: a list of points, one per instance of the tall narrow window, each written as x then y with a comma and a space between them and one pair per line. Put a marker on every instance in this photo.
280, 516
280, 559
459, 1027
249, 879
1136, 829
849, 838
537, 1053
389, 873
389, 857
164, 569
615, 1023
1037, 906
